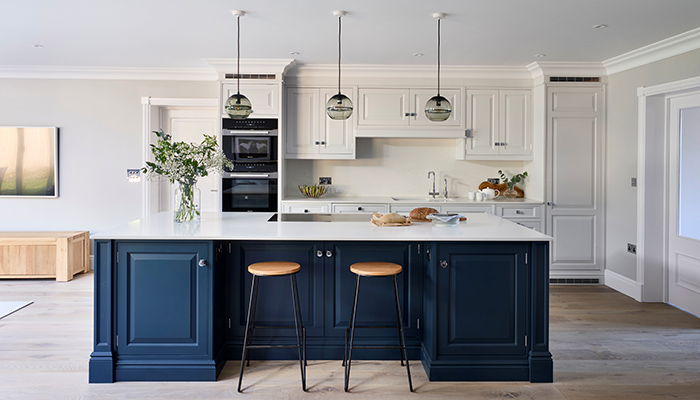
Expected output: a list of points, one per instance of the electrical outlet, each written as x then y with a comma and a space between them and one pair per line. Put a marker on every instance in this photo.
495, 181
634, 182
133, 175
326, 180
631, 248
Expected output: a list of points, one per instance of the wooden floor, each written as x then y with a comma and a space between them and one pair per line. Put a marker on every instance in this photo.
605, 346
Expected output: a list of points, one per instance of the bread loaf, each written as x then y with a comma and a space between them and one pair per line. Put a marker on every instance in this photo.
420, 213
392, 218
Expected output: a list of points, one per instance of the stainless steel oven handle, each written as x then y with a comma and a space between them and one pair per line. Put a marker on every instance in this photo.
250, 175
229, 132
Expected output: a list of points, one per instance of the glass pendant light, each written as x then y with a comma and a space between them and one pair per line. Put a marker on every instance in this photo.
339, 106
438, 108
238, 106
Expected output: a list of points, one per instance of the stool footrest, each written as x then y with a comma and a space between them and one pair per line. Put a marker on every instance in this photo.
374, 327
272, 346
276, 327
377, 347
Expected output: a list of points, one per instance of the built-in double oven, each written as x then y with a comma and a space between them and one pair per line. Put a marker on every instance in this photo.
252, 146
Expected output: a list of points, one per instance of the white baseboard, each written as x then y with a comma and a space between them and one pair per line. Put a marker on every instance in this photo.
623, 285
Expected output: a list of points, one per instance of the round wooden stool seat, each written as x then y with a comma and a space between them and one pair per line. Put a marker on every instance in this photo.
375, 268
274, 268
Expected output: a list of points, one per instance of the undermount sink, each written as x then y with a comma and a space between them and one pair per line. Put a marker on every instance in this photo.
422, 199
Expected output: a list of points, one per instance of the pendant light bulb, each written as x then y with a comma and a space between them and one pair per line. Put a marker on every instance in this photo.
238, 106
438, 108
339, 107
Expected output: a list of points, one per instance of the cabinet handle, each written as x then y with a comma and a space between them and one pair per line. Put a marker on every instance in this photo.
427, 253
306, 210
407, 114
519, 212
359, 208
444, 263
323, 142
549, 203
317, 143
497, 144
329, 253
319, 254
503, 143
202, 262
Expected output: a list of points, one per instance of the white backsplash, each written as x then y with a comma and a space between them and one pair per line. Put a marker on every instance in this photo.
398, 167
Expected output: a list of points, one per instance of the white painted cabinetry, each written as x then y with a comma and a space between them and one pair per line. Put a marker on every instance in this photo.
525, 215
499, 125
264, 97
359, 208
310, 133
399, 112
306, 207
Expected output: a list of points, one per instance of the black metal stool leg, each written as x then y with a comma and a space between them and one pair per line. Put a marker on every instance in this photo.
252, 321
402, 341
297, 322
352, 333
398, 326
248, 334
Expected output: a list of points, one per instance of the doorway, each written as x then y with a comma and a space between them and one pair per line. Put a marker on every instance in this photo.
186, 120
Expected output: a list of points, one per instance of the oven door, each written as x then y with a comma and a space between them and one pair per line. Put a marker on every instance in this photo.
249, 192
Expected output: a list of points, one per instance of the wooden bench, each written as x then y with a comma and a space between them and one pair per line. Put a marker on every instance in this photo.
57, 255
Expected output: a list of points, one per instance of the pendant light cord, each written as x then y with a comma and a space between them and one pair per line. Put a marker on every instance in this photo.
238, 59
340, 17
438, 72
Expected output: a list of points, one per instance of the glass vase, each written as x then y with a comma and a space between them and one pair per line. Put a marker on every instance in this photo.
188, 200
510, 193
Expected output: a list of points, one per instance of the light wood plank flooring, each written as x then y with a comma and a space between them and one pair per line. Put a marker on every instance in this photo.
605, 346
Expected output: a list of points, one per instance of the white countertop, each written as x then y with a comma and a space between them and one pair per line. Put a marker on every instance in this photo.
410, 200
254, 226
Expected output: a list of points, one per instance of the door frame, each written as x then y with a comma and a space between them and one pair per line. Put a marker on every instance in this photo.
151, 108
651, 283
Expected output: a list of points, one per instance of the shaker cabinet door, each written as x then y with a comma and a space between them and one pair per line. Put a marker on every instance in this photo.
164, 292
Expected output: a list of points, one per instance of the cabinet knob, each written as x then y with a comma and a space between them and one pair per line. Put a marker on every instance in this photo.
503, 143
444, 263
329, 253
306, 210
317, 142
549, 203
202, 263
359, 208
519, 212
319, 254
497, 144
323, 142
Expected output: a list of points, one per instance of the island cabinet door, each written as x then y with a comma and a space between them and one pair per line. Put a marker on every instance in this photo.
376, 295
274, 305
164, 298
481, 299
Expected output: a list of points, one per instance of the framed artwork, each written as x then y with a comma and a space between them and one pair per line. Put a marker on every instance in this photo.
29, 162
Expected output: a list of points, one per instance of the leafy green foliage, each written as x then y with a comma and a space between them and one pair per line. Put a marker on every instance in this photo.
185, 162
513, 180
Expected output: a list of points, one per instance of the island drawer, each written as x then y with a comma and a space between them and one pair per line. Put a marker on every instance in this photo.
359, 208
534, 211
306, 208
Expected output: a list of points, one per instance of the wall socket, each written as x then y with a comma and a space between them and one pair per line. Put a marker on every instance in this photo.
631, 248
634, 182
133, 175
326, 180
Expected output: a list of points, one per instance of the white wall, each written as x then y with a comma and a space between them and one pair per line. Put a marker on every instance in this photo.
391, 167
622, 152
100, 137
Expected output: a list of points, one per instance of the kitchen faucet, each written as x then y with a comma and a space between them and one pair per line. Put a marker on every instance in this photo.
433, 192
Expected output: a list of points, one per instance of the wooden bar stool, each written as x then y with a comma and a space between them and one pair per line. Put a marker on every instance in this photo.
274, 268
373, 269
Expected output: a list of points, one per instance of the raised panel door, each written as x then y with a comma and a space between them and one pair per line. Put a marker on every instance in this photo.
482, 122
264, 98
303, 118
337, 136
421, 96
481, 299
164, 298
515, 122
383, 107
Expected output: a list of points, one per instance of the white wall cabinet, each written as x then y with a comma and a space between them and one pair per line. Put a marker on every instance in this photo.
264, 97
499, 125
310, 133
396, 112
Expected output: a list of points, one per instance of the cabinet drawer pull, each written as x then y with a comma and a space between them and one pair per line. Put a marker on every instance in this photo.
317, 142
497, 144
519, 212
306, 210
359, 208
329, 253
319, 254
202, 262
323, 142
444, 263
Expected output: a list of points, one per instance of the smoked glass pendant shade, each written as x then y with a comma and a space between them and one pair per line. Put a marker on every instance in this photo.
238, 106
438, 109
339, 107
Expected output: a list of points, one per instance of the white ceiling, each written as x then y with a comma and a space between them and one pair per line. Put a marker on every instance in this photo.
181, 33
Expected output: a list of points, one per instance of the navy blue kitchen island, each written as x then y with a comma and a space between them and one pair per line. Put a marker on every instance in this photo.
170, 299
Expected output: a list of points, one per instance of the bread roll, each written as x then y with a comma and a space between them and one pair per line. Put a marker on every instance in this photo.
392, 218
420, 213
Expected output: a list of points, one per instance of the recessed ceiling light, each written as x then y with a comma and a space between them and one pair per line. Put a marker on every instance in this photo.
38, 46
540, 55
599, 26
294, 53
417, 54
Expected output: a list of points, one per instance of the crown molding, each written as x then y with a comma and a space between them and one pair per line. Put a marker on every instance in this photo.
673, 46
278, 66
118, 73
410, 71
